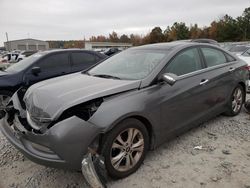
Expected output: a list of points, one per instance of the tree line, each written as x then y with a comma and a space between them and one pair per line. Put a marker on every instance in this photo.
225, 29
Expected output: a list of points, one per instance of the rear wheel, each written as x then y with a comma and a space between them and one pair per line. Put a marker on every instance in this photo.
125, 147
236, 101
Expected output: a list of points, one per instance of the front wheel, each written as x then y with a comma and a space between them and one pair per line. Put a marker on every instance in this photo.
236, 101
125, 147
4, 99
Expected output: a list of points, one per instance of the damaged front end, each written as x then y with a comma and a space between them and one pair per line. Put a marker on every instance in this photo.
93, 169
64, 143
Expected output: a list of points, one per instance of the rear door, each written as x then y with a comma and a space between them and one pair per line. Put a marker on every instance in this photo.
220, 72
82, 60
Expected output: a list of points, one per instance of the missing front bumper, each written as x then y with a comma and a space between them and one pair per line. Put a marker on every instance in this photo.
93, 170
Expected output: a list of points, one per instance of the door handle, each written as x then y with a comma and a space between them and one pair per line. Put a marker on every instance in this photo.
203, 81
231, 69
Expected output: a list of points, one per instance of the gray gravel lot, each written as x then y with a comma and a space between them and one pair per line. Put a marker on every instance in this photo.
223, 161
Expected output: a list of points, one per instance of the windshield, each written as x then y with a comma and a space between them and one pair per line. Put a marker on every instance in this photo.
129, 65
25, 63
238, 49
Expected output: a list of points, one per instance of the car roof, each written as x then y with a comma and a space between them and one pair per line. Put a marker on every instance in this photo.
242, 44
171, 45
69, 50
66, 50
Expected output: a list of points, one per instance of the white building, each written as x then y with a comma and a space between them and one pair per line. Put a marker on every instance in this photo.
105, 45
26, 44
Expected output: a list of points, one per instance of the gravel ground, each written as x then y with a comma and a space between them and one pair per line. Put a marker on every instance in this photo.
222, 161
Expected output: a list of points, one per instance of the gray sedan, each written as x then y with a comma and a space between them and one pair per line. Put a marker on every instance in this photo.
130, 103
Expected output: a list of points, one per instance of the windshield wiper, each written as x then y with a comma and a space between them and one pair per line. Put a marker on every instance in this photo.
106, 76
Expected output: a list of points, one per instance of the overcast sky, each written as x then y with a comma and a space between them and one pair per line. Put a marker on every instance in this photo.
76, 19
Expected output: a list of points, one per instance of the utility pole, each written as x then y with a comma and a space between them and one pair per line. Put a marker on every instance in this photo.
8, 48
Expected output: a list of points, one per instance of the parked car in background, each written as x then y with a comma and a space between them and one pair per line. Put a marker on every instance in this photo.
10, 57
4, 65
246, 57
239, 49
111, 51
41, 66
25, 54
227, 46
3, 52
16, 51
129, 103
201, 40
4, 62
204, 40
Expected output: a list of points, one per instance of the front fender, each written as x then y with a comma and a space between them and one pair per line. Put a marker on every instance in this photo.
140, 103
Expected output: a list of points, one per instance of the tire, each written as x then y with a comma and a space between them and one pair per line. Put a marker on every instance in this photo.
4, 95
232, 109
125, 166
247, 107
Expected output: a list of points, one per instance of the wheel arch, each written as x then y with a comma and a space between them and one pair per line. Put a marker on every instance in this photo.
244, 88
149, 128
145, 121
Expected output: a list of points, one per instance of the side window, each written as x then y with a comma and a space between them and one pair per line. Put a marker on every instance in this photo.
83, 59
55, 61
229, 57
213, 57
246, 53
186, 62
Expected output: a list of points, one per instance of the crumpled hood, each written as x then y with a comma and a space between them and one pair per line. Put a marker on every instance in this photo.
56, 95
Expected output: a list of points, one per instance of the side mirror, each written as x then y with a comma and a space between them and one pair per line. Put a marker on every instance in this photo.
169, 78
36, 70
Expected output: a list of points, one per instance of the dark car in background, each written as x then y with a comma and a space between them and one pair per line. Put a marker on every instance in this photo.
129, 103
44, 65
111, 51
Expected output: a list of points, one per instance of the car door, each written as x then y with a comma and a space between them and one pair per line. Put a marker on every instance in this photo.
220, 73
183, 103
82, 60
52, 65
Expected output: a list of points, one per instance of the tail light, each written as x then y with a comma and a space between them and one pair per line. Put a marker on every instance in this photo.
248, 67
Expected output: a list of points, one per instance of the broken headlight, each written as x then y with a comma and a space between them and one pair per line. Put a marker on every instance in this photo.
38, 119
83, 111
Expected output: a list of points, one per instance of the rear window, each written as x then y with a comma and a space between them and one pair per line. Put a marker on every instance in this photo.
80, 58
246, 53
213, 56
229, 57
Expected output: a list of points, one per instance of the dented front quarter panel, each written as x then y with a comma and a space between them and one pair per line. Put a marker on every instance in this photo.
142, 103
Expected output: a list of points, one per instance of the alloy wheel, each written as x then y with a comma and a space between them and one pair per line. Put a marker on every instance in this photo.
127, 149
237, 100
